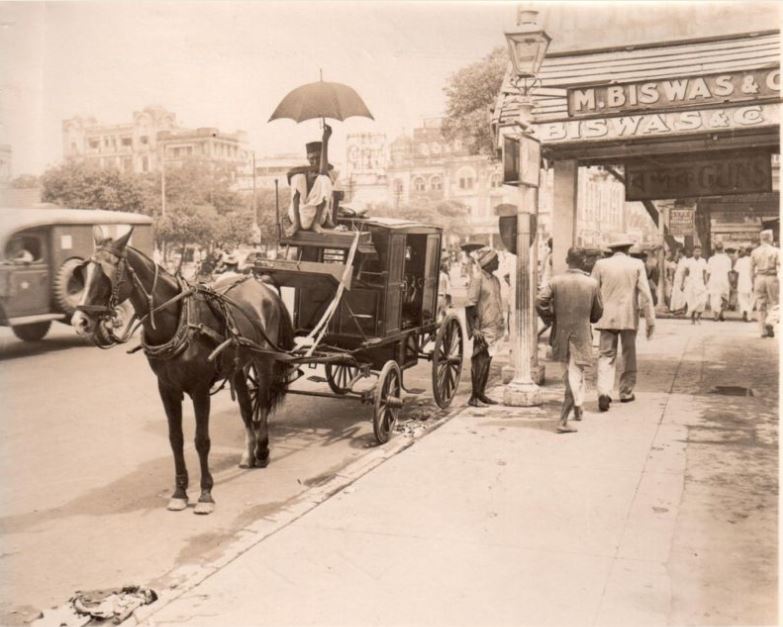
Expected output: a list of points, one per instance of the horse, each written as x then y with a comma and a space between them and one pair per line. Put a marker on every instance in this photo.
194, 336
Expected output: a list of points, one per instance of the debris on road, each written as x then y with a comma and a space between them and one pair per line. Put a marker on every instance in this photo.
115, 604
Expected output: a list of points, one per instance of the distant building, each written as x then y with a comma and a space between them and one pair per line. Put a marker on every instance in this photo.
151, 136
364, 179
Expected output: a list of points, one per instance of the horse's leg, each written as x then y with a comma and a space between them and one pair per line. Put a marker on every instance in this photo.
172, 403
201, 405
260, 421
246, 409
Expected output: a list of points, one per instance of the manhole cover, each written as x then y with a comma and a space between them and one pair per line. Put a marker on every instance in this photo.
732, 390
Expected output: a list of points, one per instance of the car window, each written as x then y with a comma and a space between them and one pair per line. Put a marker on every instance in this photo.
24, 248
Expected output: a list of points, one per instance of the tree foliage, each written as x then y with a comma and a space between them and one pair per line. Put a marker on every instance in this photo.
81, 186
25, 181
470, 94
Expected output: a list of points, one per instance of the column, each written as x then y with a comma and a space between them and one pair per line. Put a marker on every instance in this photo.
563, 212
522, 391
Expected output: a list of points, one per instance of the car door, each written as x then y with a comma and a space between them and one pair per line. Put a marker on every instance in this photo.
25, 284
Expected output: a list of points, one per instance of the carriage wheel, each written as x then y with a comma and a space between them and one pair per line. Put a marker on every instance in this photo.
447, 361
339, 377
388, 401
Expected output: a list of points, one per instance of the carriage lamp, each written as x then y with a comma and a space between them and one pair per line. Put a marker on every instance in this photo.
527, 45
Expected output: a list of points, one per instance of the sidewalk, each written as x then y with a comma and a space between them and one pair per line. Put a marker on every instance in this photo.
495, 519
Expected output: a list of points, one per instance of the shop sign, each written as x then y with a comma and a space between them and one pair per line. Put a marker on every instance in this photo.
674, 93
742, 174
663, 124
681, 222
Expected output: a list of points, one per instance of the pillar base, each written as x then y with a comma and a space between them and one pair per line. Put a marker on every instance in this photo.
522, 394
537, 373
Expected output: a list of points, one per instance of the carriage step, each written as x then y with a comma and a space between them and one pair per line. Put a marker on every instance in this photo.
415, 390
316, 379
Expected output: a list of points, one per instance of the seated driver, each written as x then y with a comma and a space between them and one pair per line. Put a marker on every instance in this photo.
311, 190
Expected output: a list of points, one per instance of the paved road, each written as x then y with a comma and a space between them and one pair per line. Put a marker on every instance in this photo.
88, 470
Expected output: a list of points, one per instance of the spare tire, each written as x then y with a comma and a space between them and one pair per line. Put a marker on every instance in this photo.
68, 286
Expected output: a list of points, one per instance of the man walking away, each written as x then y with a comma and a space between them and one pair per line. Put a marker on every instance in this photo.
765, 264
573, 300
622, 281
718, 286
484, 315
744, 283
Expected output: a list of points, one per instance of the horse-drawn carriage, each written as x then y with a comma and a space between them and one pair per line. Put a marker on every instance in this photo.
364, 303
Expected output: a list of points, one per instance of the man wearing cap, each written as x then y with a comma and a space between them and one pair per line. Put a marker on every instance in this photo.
765, 264
718, 286
572, 301
484, 316
311, 189
622, 281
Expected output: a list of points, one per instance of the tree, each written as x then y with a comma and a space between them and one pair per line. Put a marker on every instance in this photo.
470, 95
25, 181
82, 186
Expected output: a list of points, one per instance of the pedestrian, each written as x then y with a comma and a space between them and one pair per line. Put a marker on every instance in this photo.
484, 316
694, 285
718, 285
624, 291
572, 301
765, 265
744, 283
678, 302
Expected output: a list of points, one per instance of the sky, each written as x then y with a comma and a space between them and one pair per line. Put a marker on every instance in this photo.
228, 64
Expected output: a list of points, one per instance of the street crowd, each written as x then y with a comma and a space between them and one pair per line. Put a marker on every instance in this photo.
611, 295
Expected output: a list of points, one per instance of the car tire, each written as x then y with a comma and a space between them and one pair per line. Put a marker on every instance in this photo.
32, 332
67, 288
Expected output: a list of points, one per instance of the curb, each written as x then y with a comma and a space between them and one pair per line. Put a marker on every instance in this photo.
186, 578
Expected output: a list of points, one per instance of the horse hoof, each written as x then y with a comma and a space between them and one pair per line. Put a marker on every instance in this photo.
177, 505
203, 508
262, 463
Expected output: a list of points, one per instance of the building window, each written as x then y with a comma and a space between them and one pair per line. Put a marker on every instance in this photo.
436, 183
466, 180
494, 180
127, 141
398, 186
95, 144
145, 164
127, 164
419, 185
144, 140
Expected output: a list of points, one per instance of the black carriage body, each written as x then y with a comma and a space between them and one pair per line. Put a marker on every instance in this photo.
391, 296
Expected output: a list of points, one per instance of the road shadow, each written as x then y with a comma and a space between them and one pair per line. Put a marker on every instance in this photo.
11, 348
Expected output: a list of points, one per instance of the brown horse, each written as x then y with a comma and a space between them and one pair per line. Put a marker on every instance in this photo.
183, 325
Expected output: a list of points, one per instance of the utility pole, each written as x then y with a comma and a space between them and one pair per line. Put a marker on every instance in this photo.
163, 181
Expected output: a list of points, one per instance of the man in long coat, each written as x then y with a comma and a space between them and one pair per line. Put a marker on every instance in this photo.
718, 286
624, 290
573, 301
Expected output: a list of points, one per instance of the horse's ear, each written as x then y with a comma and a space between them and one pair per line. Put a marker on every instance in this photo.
97, 235
121, 242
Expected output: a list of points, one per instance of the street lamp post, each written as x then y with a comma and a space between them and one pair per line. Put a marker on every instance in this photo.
527, 46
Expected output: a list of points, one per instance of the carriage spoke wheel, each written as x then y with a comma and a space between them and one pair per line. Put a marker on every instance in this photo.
447, 361
340, 376
388, 401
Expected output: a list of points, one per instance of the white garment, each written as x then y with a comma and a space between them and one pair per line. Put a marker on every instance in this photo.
744, 274
308, 203
718, 268
695, 288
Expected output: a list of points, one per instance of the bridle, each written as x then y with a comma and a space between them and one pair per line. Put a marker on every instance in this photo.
116, 268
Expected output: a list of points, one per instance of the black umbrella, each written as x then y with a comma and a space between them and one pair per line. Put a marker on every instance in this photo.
321, 100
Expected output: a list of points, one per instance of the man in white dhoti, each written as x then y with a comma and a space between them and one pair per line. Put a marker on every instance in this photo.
311, 190
744, 283
718, 268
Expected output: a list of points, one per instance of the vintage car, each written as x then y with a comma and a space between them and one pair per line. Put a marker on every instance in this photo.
39, 251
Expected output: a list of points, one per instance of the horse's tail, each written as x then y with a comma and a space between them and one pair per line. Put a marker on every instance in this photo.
281, 370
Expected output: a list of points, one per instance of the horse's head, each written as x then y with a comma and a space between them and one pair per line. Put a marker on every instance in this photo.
107, 283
